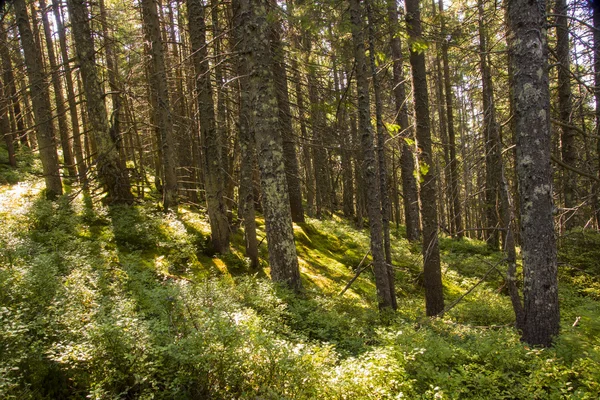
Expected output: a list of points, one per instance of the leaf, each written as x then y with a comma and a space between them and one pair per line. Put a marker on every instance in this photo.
423, 168
392, 128
410, 142
419, 46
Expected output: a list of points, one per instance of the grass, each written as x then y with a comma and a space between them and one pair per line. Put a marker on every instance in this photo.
128, 302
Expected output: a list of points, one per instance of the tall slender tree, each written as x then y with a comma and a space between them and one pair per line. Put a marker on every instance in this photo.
434, 296
385, 292
113, 176
285, 120
158, 83
407, 160
213, 174
40, 98
565, 105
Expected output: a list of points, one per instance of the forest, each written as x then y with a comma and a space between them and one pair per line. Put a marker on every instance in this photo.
292, 199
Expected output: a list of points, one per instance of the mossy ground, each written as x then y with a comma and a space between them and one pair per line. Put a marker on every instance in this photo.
129, 302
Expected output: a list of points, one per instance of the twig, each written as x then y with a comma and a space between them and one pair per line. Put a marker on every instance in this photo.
359, 270
451, 306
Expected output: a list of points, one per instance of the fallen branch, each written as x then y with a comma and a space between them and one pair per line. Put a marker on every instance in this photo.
451, 306
359, 270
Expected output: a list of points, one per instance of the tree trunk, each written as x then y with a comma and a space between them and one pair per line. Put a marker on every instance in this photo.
40, 98
407, 160
5, 130
565, 106
285, 120
113, 177
528, 56
596, 35
213, 175
58, 95
455, 206
246, 141
10, 89
77, 147
382, 167
385, 294
276, 204
434, 296
308, 164
158, 82
491, 136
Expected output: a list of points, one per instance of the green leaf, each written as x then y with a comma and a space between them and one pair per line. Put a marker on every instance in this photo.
423, 168
392, 128
419, 46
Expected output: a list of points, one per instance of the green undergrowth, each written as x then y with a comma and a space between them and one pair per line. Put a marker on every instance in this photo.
129, 302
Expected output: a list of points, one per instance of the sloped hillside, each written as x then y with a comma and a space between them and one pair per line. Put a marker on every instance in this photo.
128, 302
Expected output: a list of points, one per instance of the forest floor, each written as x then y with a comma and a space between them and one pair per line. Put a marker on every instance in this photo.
128, 302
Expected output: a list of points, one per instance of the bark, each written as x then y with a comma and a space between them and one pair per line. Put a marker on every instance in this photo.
158, 82
345, 144
381, 163
385, 294
40, 99
246, 141
113, 84
5, 130
565, 106
455, 206
112, 175
407, 160
77, 147
10, 89
276, 204
213, 175
319, 153
308, 164
491, 134
58, 95
434, 296
285, 120
596, 35
181, 129
225, 150
528, 56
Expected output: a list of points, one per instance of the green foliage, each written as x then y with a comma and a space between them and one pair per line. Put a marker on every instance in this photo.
125, 303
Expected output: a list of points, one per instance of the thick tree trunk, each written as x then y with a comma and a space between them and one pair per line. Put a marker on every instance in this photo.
158, 82
213, 175
528, 56
276, 204
434, 296
285, 120
385, 294
112, 175
42, 109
